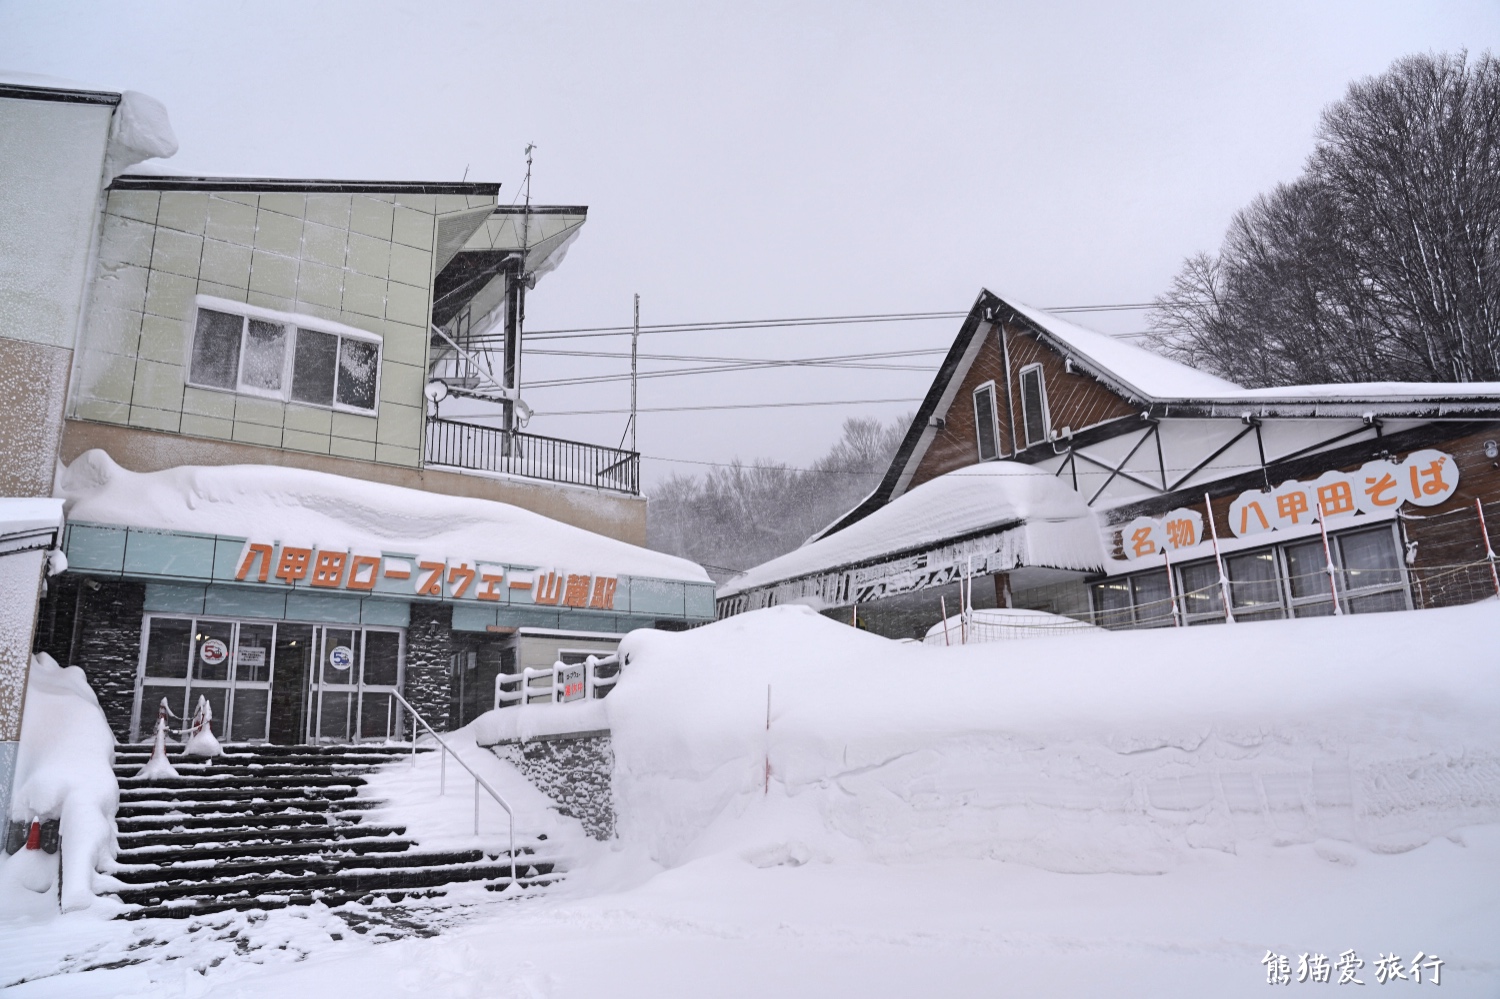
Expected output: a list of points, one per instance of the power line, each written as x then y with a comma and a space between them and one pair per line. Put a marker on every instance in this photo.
723, 369
746, 324
748, 405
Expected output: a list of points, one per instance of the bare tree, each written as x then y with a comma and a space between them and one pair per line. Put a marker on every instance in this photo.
1380, 263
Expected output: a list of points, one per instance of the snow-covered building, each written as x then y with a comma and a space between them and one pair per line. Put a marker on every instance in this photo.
1054, 468
286, 418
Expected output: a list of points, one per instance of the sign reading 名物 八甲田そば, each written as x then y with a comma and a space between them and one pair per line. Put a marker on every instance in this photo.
408, 576
1425, 478
1143, 536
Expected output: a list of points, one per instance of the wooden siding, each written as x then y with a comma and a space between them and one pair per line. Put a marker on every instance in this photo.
1074, 400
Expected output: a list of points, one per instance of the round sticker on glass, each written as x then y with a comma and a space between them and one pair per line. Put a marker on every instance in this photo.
341, 657
213, 652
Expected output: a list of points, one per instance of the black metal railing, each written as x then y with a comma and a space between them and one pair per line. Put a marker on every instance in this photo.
532, 456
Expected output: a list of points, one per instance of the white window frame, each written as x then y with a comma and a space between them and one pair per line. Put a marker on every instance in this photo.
1041, 381
291, 322
989, 387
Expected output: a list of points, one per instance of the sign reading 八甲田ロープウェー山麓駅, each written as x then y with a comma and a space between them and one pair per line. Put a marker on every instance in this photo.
1425, 478
412, 576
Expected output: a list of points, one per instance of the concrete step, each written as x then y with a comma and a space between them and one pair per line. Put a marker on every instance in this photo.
184, 908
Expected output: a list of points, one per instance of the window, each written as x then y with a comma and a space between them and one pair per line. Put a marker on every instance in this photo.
258, 352
987, 431
1266, 584
1034, 405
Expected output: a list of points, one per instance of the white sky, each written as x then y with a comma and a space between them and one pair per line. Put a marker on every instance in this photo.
771, 160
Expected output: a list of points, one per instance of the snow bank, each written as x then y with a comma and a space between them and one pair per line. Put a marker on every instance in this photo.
1003, 624
1060, 531
64, 770
1118, 752
524, 722
333, 511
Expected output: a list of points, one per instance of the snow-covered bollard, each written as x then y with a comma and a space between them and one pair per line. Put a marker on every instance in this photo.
158, 767
202, 741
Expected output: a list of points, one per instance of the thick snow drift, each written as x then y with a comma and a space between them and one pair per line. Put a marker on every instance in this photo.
1118, 752
307, 507
1060, 531
64, 770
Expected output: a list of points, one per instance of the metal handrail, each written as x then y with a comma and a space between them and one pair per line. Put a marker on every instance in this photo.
478, 780
533, 456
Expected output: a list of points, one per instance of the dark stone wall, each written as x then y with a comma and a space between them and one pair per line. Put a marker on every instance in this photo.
96, 624
429, 644
574, 771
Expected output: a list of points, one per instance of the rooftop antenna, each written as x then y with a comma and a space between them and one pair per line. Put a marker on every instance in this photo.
635, 334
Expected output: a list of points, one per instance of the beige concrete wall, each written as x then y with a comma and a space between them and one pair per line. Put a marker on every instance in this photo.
33, 380
363, 260
610, 514
51, 158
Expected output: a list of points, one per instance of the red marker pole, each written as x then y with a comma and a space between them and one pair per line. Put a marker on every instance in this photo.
767, 789
1489, 550
1328, 559
943, 603
1213, 529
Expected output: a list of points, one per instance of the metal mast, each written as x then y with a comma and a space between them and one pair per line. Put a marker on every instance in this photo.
635, 333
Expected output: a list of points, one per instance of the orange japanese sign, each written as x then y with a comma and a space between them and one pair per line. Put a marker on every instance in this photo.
1425, 478
1147, 536
441, 579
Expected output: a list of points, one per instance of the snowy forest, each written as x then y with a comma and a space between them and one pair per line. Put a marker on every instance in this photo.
739, 515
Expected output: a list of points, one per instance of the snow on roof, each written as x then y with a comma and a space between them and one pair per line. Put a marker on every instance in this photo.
1147, 372
1368, 392
24, 515
1161, 378
1060, 530
299, 506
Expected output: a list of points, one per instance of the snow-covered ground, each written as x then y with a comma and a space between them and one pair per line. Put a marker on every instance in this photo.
1136, 814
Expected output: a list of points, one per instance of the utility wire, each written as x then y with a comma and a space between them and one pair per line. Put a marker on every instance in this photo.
747, 405
745, 324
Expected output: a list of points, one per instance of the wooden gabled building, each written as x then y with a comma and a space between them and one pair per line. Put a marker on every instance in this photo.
1090, 477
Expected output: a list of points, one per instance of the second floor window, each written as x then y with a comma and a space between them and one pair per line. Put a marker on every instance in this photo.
1034, 405
285, 358
986, 431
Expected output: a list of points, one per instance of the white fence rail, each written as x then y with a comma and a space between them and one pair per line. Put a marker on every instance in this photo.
559, 683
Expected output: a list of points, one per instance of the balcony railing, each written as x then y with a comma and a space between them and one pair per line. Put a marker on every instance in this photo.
532, 456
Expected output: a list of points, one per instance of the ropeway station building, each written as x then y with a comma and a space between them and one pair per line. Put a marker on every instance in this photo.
285, 418
1054, 468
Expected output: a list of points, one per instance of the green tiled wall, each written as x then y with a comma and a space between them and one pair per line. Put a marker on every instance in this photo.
362, 260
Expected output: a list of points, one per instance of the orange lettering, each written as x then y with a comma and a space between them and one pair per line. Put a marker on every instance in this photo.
577, 594
460, 572
357, 565
604, 593
432, 586
328, 570
294, 564
1265, 525
490, 581
550, 590
1291, 505
264, 551
1336, 498
1377, 488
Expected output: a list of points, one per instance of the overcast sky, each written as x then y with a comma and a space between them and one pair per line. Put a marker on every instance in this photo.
771, 160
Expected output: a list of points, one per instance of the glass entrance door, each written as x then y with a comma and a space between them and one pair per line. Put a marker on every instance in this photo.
356, 672
230, 663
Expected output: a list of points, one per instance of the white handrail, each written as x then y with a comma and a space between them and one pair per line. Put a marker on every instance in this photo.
525, 692
478, 780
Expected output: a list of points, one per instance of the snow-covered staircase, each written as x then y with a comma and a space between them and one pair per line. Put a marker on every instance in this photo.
264, 827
